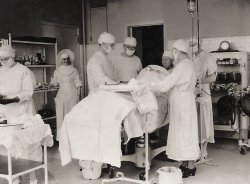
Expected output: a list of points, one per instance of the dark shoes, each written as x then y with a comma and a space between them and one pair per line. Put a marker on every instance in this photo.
186, 172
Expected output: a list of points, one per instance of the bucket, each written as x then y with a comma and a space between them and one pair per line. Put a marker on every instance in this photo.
171, 175
91, 170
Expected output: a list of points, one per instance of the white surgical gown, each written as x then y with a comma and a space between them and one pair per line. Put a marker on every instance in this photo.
20, 81
67, 78
124, 67
99, 71
205, 65
17, 81
182, 143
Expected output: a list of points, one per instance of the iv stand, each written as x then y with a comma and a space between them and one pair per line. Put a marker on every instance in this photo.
203, 160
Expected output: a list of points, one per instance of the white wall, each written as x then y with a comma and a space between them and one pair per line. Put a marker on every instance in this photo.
218, 18
122, 13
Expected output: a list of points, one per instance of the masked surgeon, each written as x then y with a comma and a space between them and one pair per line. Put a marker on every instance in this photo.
16, 88
16, 85
206, 69
182, 143
99, 69
168, 60
126, 65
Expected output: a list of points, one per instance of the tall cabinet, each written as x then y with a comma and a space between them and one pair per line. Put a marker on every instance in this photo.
39, 55
233, 67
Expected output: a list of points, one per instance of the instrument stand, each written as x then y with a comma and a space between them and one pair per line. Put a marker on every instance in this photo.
120, 176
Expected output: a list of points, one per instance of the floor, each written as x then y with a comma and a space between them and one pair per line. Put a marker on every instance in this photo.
232, 168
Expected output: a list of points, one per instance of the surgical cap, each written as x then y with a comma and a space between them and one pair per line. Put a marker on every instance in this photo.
181, 45
106, 38
130, 41
168, 54
64, 55
6, 51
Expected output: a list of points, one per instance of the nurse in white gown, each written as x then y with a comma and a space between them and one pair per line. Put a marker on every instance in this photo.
68, 80
182, 143
206, 69
17, 86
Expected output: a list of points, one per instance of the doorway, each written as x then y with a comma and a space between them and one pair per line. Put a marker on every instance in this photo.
150, 43
67, 38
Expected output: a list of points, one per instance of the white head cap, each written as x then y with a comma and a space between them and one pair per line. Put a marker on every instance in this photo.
181, 45
6, 51
64, 55
168, 54
106, 38
130, 41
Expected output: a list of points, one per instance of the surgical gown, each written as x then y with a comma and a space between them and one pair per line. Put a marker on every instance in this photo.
19, 81
124, 67
182, 142
67, 78
205, 65
99, 71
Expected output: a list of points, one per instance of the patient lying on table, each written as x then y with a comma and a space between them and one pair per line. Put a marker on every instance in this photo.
91, 131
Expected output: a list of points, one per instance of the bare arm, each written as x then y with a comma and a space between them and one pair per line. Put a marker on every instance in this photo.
209, 79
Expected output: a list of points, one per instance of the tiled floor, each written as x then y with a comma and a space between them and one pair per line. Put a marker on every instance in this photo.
233, 168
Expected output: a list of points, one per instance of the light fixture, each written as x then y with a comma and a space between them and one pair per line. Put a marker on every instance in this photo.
191, 4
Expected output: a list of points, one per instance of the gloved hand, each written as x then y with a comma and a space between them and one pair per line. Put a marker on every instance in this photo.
6, 100
111, 83
50, 86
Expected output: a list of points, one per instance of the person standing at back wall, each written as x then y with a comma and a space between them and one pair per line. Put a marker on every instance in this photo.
68, 80
126, 65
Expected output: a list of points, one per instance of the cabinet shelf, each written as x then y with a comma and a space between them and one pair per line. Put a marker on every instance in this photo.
223, 128
48, 118
40, 66
45, 90
31, 42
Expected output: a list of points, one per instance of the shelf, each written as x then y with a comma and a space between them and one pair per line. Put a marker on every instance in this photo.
45, 90
52, 117
30, 42
40, 66
223, 128
18, 165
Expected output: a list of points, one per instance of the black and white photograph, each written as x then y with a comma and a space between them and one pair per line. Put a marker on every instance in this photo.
124, 91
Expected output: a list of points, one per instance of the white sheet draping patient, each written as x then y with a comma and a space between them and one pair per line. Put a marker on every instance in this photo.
91, 131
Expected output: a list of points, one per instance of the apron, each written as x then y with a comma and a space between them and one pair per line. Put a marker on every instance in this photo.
182, 143
66, 97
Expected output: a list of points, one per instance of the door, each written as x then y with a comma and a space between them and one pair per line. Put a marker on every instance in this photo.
150, 43
67, 38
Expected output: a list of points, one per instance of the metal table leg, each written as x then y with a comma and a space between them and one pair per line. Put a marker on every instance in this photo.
10, 179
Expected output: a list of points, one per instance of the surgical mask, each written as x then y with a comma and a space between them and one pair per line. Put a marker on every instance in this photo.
175, 55
107, 49
7, 62
167, 62
130, 52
